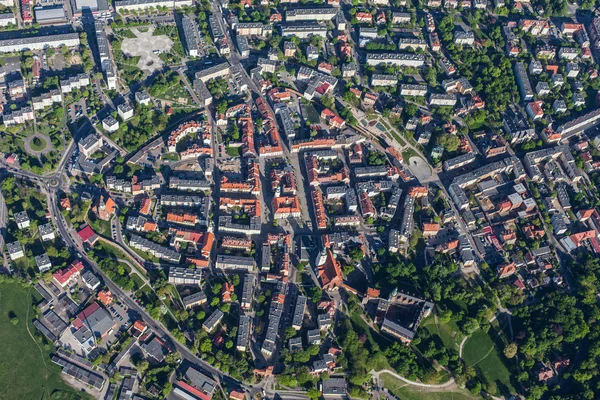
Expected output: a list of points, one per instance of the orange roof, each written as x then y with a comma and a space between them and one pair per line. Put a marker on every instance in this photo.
146, 205
372, 292
209, 238
198, 262
105, 297
237, 395
330, 273
188, 219
140, 325
417, 191
286, 205
431, 228
65, 203
110, 204
251, 206
585, 214
552, 68
506, 270
150, 226
577, 238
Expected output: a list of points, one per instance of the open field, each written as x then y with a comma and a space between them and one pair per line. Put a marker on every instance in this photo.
449, 333
407, 392
26, 371
487, 358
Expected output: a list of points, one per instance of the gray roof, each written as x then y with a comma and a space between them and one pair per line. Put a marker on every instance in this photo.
99, 321
334, 387
49, 13
194, 298
200, 380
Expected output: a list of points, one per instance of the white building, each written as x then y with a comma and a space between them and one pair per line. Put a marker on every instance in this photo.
125, 111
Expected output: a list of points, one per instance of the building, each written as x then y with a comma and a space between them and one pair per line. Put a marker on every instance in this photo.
334, 388
464, 38
22, 220
74, 82
125, 111
534, 109
213, 320
299, 312
517, 126
190, 30
403, 315
193, 300
303, 30
185, 276
243, 335
164, 253
142, 98
249, 28
523, 82
7, 19
94, 319
46, 232
39, 42
109, 124
90, 144
50, 15
68, 276
225, 262
413, 90
401, 59
137, 5
441, 99
15, 250
310, 14
460, 161
384, 80
248, 292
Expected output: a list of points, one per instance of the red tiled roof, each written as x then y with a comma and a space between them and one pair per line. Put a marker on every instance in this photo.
62, 276
86, 233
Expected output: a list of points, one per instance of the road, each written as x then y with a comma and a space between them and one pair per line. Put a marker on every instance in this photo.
450, 384
77, 248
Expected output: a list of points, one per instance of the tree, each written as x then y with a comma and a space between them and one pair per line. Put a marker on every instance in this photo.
449, 142
510, 350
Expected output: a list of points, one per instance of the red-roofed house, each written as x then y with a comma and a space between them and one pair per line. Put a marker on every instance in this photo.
584, 215
105, 297
330, 272
237, 395
67, 276
507, 269
430, 230
334, 120
87, 235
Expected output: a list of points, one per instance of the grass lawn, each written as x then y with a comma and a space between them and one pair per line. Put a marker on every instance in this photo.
170, 157
234, 151
408, 153
108, 250
405, 392
397, 137
26, 371
487, 357
312, 114
145, 256
38, 144
135, 277
449, 333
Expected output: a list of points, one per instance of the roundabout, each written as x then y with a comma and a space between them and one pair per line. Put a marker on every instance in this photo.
37, 144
